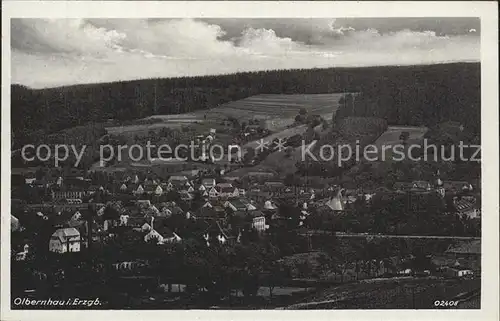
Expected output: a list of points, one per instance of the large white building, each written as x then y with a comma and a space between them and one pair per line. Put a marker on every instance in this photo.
65, 240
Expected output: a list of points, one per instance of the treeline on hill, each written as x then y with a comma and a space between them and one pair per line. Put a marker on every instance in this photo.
420, 96
410, 95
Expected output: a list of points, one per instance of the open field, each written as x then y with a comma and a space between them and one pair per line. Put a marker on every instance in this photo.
266, 106
274, 105
391, 137
142, 129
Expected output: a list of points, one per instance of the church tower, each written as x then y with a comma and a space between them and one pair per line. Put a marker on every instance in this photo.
439, 185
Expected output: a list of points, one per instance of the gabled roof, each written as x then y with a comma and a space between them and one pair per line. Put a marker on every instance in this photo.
68, 218
185, 195
64, 233
335, 204
472, 247
464, 205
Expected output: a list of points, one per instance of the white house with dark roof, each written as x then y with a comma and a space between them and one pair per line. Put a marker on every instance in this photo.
65, 240
139, 190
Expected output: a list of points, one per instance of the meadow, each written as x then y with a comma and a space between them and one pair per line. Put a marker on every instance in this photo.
392, 137
265, 106
277, 105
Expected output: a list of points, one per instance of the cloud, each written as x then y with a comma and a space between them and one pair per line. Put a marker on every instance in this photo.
69, 36
265, 42
68, 51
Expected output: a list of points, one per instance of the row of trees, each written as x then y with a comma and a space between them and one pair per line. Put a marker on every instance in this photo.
371, 258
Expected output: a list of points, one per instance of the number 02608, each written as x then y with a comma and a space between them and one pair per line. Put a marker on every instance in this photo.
443, 303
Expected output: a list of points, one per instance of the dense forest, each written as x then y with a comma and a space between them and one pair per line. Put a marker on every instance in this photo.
410, 95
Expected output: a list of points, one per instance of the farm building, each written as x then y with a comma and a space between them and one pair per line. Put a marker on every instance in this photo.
457, 271
466, 208
469, 250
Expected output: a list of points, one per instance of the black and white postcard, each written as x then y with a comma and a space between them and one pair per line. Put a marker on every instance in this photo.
227, 160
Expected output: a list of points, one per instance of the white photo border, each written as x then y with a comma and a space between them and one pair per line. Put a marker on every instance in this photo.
486, 11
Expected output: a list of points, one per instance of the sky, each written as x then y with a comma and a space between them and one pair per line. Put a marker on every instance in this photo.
55, 52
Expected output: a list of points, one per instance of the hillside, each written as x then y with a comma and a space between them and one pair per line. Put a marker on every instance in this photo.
407, 95
395, 293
